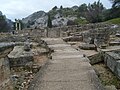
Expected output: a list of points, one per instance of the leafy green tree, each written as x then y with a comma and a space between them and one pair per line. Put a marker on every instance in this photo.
115, 10
61, 7
3, 24
54, 8
49, 21
95, 12
116, 3
82, 10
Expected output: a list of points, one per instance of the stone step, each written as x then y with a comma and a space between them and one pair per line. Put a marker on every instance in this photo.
66, 56
71, 85
69, 65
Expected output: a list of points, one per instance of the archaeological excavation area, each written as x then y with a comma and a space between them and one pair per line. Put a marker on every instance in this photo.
78, 57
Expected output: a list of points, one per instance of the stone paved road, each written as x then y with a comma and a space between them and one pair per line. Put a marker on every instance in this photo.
67, 70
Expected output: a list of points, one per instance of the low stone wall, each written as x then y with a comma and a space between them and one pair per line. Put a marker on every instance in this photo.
5, 46
72, 38
98, 37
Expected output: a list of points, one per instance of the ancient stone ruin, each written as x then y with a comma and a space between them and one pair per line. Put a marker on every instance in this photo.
60, 58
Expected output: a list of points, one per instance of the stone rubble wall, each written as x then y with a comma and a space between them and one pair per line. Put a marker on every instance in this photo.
61, 31
65, 31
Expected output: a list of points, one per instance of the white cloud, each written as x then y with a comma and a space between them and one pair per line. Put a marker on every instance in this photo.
22, 8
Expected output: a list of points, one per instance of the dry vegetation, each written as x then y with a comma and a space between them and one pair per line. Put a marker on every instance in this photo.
106, 76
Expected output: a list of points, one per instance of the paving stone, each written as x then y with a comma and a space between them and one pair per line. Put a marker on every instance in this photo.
67, 70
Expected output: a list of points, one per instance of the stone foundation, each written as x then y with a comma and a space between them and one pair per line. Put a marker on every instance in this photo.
18, 57
112, 60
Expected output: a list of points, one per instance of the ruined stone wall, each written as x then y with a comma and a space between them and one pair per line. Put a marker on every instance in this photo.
5, 83
63, 31
97, 36
67, 30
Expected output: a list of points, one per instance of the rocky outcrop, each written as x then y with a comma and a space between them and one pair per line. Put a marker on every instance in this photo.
39, 19
36, 19
62, 21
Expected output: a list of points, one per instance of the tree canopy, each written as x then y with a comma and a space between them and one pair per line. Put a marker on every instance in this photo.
3, 24
116, 3
49, 21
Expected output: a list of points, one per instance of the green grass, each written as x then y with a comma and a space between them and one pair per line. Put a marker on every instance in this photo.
114, 21
81, 21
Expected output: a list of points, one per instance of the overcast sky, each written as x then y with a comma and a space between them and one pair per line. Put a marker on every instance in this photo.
22, 8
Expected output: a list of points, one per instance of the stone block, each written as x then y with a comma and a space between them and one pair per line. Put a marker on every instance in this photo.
96, 58
87, 46
110, 61
113, 43
117, 71
19, 57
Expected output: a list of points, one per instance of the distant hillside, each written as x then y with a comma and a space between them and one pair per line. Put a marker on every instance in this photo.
34, 16
59, 16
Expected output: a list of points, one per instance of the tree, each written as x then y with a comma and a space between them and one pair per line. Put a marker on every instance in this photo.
82, 10
94, 12
116, 3
115, 10
3, 24
49, 21
61, 7
54, 8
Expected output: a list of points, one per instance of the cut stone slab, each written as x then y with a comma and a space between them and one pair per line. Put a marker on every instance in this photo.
69, 75
87, 46
73, 38
52, 41
65, 53
77, 65
4, 45
66, 56
19, 57
18, 51
114, 43
62, 47
71, 85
